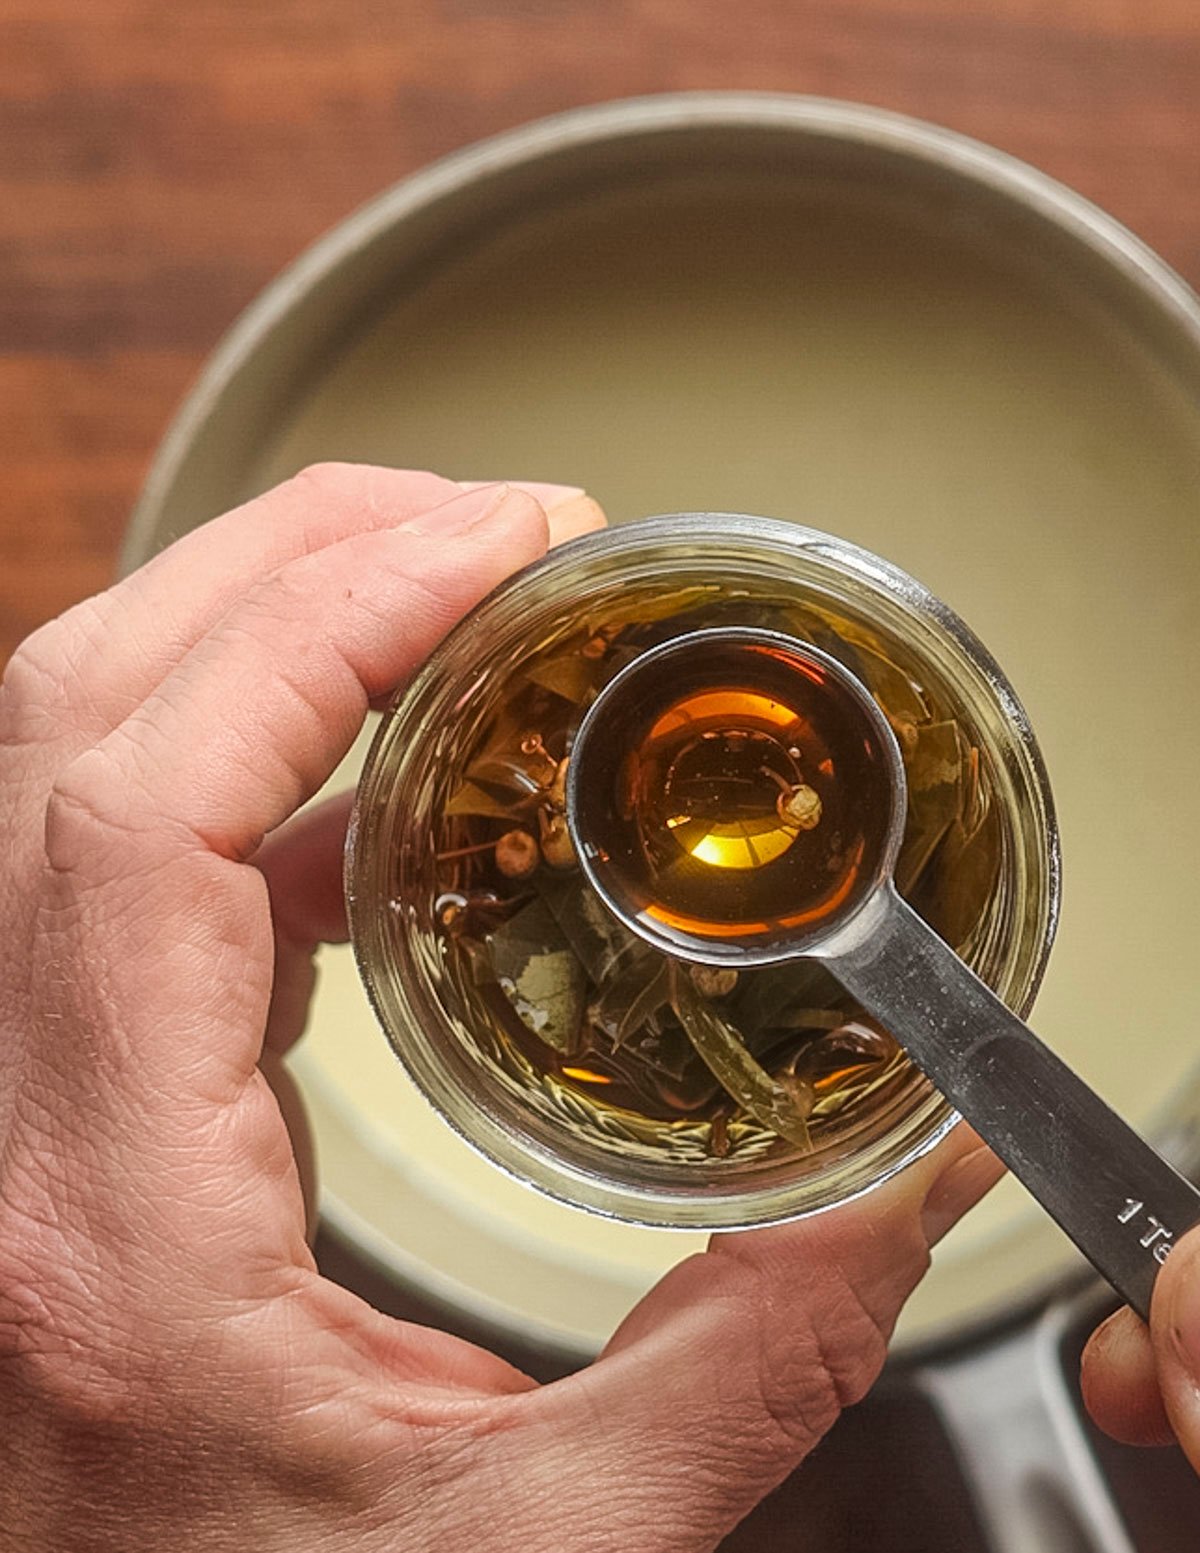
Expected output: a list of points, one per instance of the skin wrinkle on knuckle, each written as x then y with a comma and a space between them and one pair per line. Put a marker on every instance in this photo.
797, 1400
882, 1254
895, 1274
854, 1360
352, 492
807, 1379
36, 668
325, 483
48, 686
962, 1178
88, 811
26, 689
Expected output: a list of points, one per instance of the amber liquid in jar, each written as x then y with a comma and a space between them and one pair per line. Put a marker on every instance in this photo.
735, 799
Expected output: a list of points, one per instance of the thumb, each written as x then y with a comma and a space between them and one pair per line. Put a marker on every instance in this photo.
1175, 1331
735, 1365
1141, 1384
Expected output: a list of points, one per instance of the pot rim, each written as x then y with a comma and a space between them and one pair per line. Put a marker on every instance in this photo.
1072, 214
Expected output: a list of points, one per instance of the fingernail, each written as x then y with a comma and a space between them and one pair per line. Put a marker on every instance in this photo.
460, 513
578, 515
549, 497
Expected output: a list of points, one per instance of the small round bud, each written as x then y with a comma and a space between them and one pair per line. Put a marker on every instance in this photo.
517, 854
801, 807
713, 981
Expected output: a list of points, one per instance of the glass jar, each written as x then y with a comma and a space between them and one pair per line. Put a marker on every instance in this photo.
481, 735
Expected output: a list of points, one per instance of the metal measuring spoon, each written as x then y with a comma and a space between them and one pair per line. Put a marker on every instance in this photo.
737, 798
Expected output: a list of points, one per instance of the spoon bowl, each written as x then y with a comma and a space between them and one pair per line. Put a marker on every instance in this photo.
736, 796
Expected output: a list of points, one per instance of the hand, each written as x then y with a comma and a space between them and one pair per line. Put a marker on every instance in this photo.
173, 1369
1141, 1383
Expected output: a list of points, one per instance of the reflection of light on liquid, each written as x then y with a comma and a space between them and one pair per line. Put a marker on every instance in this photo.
743, 844
586, 1076
723, 708
734, 758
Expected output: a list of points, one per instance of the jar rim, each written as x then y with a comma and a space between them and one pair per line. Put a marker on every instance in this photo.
699, 539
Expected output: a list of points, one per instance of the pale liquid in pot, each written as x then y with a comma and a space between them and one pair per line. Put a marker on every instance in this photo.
963, 415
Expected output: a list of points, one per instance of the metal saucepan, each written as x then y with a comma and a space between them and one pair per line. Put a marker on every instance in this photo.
817, 311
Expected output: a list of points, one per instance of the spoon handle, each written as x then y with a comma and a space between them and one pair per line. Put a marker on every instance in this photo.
1119, 1201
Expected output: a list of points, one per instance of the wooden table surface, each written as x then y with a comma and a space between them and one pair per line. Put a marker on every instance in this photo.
160, 162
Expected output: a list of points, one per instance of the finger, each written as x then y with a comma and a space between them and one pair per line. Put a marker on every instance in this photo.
92, 667
570, 510
265, 706
940, 1189
1175, 1333
570, 513
574, 519
101, 658
965, 1171
1119, 1382
144, 828
740, 1360
302, 865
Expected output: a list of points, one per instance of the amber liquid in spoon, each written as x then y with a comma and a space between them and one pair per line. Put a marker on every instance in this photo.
735, 801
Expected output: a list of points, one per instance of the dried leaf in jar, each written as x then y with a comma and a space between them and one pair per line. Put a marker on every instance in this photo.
656, 1056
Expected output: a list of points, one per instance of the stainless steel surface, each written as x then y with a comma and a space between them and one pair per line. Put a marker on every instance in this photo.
1118, 1200
1120, 1203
